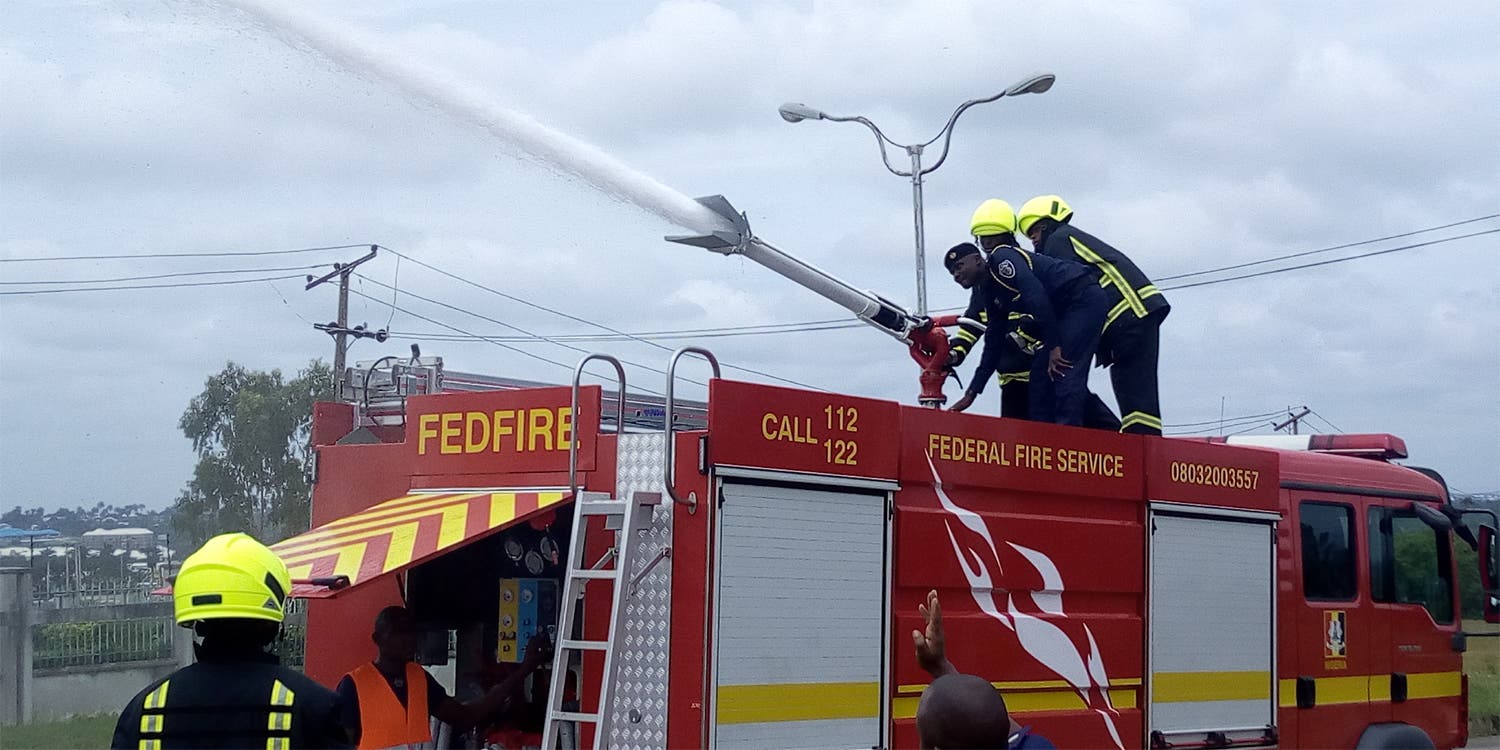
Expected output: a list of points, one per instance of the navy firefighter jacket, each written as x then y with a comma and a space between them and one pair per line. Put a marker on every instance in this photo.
1130, 291
1031, 284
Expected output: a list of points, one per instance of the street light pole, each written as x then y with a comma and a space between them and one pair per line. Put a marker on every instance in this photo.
921, 231
797, 112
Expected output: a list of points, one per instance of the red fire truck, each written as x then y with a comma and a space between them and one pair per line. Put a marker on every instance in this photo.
1121, 591
746, 574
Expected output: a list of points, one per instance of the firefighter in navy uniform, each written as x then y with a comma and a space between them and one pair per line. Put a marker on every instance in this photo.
992, 221
233, 593
1014, 369
994, 225
1068, 308
1130, 344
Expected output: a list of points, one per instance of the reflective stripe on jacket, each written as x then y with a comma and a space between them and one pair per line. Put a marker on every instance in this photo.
1129, 289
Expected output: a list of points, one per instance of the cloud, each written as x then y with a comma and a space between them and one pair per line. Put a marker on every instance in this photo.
1191, 137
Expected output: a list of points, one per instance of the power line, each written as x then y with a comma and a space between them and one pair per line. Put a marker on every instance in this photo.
1251, 421
1220, 269
1253, 424
843, 324
1330, 248
510, 297
663, 336
585, 321
179, 274
810, 326
288, 304
533, 336
1208, 430
1247, 429
502, 345
395, 293
507, 325
148, 256
1225, 420
1333, 261
151, 286
1324, 420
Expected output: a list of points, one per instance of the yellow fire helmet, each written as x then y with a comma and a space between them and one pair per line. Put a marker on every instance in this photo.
1042, 207
231, 576
993, 216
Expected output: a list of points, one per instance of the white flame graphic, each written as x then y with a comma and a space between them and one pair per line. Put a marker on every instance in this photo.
1045, 641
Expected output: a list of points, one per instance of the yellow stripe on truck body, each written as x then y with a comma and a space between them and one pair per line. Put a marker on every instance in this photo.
748, 704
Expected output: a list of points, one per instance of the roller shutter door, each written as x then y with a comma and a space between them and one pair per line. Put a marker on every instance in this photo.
1212, 629
801, 602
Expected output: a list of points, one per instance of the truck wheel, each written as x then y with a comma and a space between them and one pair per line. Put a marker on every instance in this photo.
1394, 737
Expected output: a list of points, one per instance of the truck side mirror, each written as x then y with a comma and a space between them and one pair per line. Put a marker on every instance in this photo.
1433, 518
1489, 573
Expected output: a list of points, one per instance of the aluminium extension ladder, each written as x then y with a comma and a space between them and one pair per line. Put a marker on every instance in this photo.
629, 518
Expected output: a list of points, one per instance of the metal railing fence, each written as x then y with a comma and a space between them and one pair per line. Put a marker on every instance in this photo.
71, 644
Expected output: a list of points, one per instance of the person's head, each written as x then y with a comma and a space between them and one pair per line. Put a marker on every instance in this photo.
232, 588
965, 263
993, 224
395, 634
237, 634
1040, 215
962, 711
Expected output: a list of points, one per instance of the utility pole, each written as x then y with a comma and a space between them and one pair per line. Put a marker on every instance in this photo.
1292, 419
340, 329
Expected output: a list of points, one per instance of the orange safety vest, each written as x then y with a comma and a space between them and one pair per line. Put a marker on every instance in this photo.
383, 721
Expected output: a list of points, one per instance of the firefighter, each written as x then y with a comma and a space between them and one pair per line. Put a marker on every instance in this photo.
993, 220
959, 710
233, 593
994, 224
1068, 309
388, 702
1130, 343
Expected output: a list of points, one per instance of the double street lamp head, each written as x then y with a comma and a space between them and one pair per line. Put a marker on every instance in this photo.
1037, 84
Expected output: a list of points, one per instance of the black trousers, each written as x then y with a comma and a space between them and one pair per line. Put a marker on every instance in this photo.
1015, 402
1134, 346
1097, 416
1080, 317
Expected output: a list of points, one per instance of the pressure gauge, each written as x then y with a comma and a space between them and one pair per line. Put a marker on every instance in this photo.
548, 549
534, 563
513, 549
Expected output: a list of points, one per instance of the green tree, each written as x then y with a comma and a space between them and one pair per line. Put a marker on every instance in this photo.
1469, 595
251, 431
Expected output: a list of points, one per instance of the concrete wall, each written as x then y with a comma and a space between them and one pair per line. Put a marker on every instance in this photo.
57, 694
27, 695
15, 645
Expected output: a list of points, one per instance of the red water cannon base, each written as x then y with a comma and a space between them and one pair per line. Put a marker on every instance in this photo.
929, 347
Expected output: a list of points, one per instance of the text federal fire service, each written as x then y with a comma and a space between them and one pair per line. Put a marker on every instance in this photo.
744, 573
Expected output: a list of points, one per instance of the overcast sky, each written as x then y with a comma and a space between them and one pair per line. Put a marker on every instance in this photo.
1190, 136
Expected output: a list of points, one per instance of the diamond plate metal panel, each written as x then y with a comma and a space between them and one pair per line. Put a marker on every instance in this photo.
639, 710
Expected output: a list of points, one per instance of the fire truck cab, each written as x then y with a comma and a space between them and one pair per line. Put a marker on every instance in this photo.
1119, 590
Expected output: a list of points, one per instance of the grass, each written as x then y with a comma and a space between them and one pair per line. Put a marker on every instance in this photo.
77, 732
1482, 664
